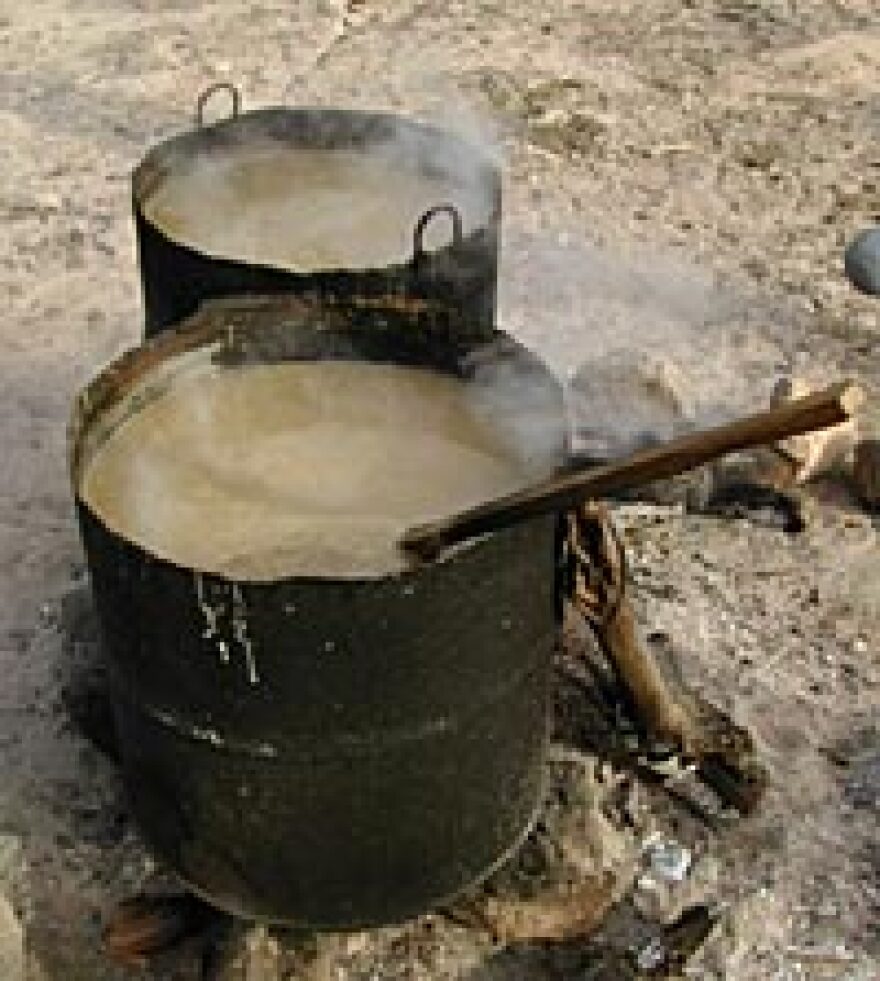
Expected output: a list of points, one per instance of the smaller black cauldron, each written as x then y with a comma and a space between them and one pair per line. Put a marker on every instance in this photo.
178, 274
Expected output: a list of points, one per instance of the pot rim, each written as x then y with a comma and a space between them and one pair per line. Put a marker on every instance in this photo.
111, 395
159, 162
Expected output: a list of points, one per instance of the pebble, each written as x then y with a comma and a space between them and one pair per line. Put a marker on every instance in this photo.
862, 261
669, 860
652, 956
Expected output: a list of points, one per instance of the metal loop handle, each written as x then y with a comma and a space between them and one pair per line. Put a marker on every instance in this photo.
419, 251
209, 93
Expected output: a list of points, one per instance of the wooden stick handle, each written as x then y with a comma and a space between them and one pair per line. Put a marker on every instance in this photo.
830, 407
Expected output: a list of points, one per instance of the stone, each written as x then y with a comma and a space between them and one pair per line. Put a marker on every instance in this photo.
652, 956
257, 955
562, 130
862, 261
624, 401
668, 860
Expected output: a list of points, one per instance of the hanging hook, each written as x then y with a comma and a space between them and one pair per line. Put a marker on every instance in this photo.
209, 93
419, 250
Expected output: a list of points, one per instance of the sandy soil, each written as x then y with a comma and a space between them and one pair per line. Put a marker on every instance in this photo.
682, 177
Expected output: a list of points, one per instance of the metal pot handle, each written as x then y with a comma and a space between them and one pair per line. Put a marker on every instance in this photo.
419, 251
209, 93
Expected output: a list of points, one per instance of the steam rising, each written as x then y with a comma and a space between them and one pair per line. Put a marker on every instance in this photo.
521, 404
650, 345
298, 467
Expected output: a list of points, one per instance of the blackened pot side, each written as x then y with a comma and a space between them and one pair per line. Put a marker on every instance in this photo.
178, 275
321, 752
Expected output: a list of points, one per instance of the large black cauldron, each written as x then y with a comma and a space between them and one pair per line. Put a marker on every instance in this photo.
366, 748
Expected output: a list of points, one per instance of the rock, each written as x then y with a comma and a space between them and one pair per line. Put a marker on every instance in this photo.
668, 860
652, 956
502, 91
258, 957
762, 155
866, 472
862, 789
862, 261
563, 130
817, 452
624, 401
264, 956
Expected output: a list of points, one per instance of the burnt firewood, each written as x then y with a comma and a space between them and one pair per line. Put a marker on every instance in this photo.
663, 709
148, 926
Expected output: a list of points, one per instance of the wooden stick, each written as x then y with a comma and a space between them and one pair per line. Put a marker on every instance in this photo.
830, 407
652, 697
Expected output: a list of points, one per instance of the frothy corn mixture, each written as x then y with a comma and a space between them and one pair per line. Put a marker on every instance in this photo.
306, 209
296, 468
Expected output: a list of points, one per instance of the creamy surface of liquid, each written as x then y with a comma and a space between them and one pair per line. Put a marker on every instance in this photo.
308, 210
296, 468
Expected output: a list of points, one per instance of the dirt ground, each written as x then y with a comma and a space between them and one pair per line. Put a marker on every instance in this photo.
682, 177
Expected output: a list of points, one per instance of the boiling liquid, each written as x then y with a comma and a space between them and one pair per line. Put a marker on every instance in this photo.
297, 468
307, 210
